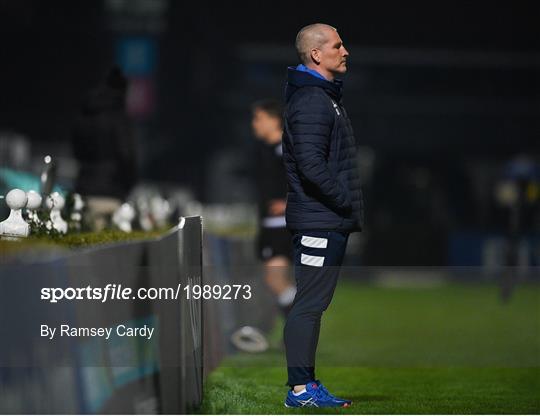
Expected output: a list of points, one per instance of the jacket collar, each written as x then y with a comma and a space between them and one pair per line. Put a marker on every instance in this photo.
297, 79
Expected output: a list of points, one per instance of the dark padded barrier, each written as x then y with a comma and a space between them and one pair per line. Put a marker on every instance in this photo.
123, 375
94, 375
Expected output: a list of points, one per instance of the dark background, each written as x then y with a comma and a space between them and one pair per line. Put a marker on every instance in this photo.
441, 96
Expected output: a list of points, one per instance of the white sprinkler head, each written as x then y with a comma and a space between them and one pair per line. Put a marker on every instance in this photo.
78, 203
126, 212
56, 201
123, 216
16, 199
34, 200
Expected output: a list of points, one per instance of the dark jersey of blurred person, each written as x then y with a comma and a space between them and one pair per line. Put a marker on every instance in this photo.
274, 246
104, 146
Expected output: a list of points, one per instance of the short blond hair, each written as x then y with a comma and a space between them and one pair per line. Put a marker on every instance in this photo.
309, 37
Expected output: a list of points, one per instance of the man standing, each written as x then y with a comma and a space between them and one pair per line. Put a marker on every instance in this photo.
274, 243
324, 200
104, 144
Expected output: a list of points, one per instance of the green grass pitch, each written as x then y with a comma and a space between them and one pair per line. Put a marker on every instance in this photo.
450, 349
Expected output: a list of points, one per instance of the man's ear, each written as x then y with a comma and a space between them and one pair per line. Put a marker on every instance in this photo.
315, 56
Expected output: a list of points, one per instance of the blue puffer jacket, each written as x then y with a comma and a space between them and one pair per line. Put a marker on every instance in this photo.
319, 152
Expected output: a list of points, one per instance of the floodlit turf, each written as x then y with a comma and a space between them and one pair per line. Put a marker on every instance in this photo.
450, 349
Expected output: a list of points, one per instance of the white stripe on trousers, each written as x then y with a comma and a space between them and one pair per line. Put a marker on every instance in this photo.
314, 242
308, 260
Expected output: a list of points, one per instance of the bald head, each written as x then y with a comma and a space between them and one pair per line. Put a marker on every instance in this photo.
310, 37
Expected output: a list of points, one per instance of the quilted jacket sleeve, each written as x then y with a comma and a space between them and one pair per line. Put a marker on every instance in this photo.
310, 123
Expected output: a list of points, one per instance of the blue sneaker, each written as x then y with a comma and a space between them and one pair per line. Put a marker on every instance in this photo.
345, 402
315, 396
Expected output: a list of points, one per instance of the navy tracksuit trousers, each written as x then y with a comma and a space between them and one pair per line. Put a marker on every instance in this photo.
317, 260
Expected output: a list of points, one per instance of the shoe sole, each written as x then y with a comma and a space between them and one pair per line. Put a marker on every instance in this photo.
344, 405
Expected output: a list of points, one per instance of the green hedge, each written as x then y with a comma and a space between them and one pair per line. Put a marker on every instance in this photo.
77, 240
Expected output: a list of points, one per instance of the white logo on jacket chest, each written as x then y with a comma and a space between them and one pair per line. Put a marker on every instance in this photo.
336, 107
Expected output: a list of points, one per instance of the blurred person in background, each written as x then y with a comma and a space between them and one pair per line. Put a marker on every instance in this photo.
324, 200
274, 241
104, 145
